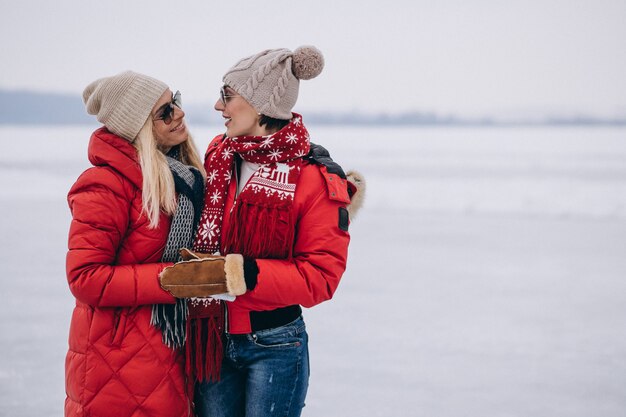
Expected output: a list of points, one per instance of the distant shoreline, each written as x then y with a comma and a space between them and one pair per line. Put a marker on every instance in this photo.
19, 108
218, 126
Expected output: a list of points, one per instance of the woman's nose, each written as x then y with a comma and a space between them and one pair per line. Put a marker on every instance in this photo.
219, 106
178, 113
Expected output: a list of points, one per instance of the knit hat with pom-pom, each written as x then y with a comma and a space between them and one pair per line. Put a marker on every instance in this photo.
270, 80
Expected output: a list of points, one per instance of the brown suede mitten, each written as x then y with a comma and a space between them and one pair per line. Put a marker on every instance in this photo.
204, 275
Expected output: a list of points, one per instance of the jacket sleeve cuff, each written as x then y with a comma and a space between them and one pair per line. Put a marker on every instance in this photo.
251, 272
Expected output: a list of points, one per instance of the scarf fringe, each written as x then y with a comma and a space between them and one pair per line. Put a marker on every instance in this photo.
171, 319
256, 232
205, 350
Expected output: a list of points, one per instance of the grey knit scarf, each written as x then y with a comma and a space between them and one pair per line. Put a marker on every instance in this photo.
172, 318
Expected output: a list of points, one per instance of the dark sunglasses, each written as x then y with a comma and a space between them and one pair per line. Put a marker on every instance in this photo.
166, 111
224, 96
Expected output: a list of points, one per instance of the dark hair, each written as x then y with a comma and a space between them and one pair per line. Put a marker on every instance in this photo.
272, 124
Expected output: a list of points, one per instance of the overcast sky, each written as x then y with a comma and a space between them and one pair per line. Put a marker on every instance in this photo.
465, 57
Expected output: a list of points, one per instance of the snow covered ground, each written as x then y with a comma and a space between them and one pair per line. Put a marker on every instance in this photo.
487, 274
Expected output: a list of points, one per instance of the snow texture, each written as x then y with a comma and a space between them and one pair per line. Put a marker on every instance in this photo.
486, 273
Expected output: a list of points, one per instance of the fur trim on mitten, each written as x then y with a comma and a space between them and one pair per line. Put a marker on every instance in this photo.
235, 281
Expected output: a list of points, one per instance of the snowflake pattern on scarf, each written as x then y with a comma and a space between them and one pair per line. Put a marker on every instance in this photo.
273, 184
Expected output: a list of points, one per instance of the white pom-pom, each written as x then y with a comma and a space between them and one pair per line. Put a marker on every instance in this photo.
307, 62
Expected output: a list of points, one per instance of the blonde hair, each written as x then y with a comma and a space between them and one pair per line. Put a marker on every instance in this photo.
159, 193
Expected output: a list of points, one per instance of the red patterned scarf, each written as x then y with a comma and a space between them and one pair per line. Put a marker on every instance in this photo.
261, 223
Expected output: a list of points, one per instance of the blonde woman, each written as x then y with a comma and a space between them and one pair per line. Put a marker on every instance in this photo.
131, 213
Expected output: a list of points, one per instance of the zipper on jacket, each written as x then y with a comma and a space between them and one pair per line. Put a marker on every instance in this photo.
236, 173
238, 163
225, 317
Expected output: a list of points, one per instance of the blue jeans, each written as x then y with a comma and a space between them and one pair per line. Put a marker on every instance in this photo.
265, 373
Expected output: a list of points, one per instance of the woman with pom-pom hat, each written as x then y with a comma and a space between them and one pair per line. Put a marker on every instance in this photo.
273, 235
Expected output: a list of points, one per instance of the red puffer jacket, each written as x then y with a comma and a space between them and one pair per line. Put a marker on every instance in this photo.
117, 364
320, 253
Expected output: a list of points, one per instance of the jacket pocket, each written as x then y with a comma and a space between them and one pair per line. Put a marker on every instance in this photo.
120, 316
275, 343
283, 337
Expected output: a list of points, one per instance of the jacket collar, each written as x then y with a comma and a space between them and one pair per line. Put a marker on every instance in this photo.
107, 149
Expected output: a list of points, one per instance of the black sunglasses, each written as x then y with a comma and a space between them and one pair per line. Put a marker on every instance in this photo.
166, 111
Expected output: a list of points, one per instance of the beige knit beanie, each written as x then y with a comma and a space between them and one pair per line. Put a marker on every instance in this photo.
123, 102
269, 80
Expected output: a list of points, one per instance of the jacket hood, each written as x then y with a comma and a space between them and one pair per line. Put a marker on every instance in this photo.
108, 149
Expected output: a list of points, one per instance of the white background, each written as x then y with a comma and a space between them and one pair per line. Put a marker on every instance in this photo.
469, 58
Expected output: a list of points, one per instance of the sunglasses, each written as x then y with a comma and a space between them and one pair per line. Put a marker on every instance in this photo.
224, 96
166, 111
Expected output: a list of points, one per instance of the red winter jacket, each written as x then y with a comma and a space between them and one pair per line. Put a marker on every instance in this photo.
117, 364
320, 249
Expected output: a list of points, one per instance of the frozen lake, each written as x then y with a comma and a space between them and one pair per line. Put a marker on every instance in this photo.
487, 274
